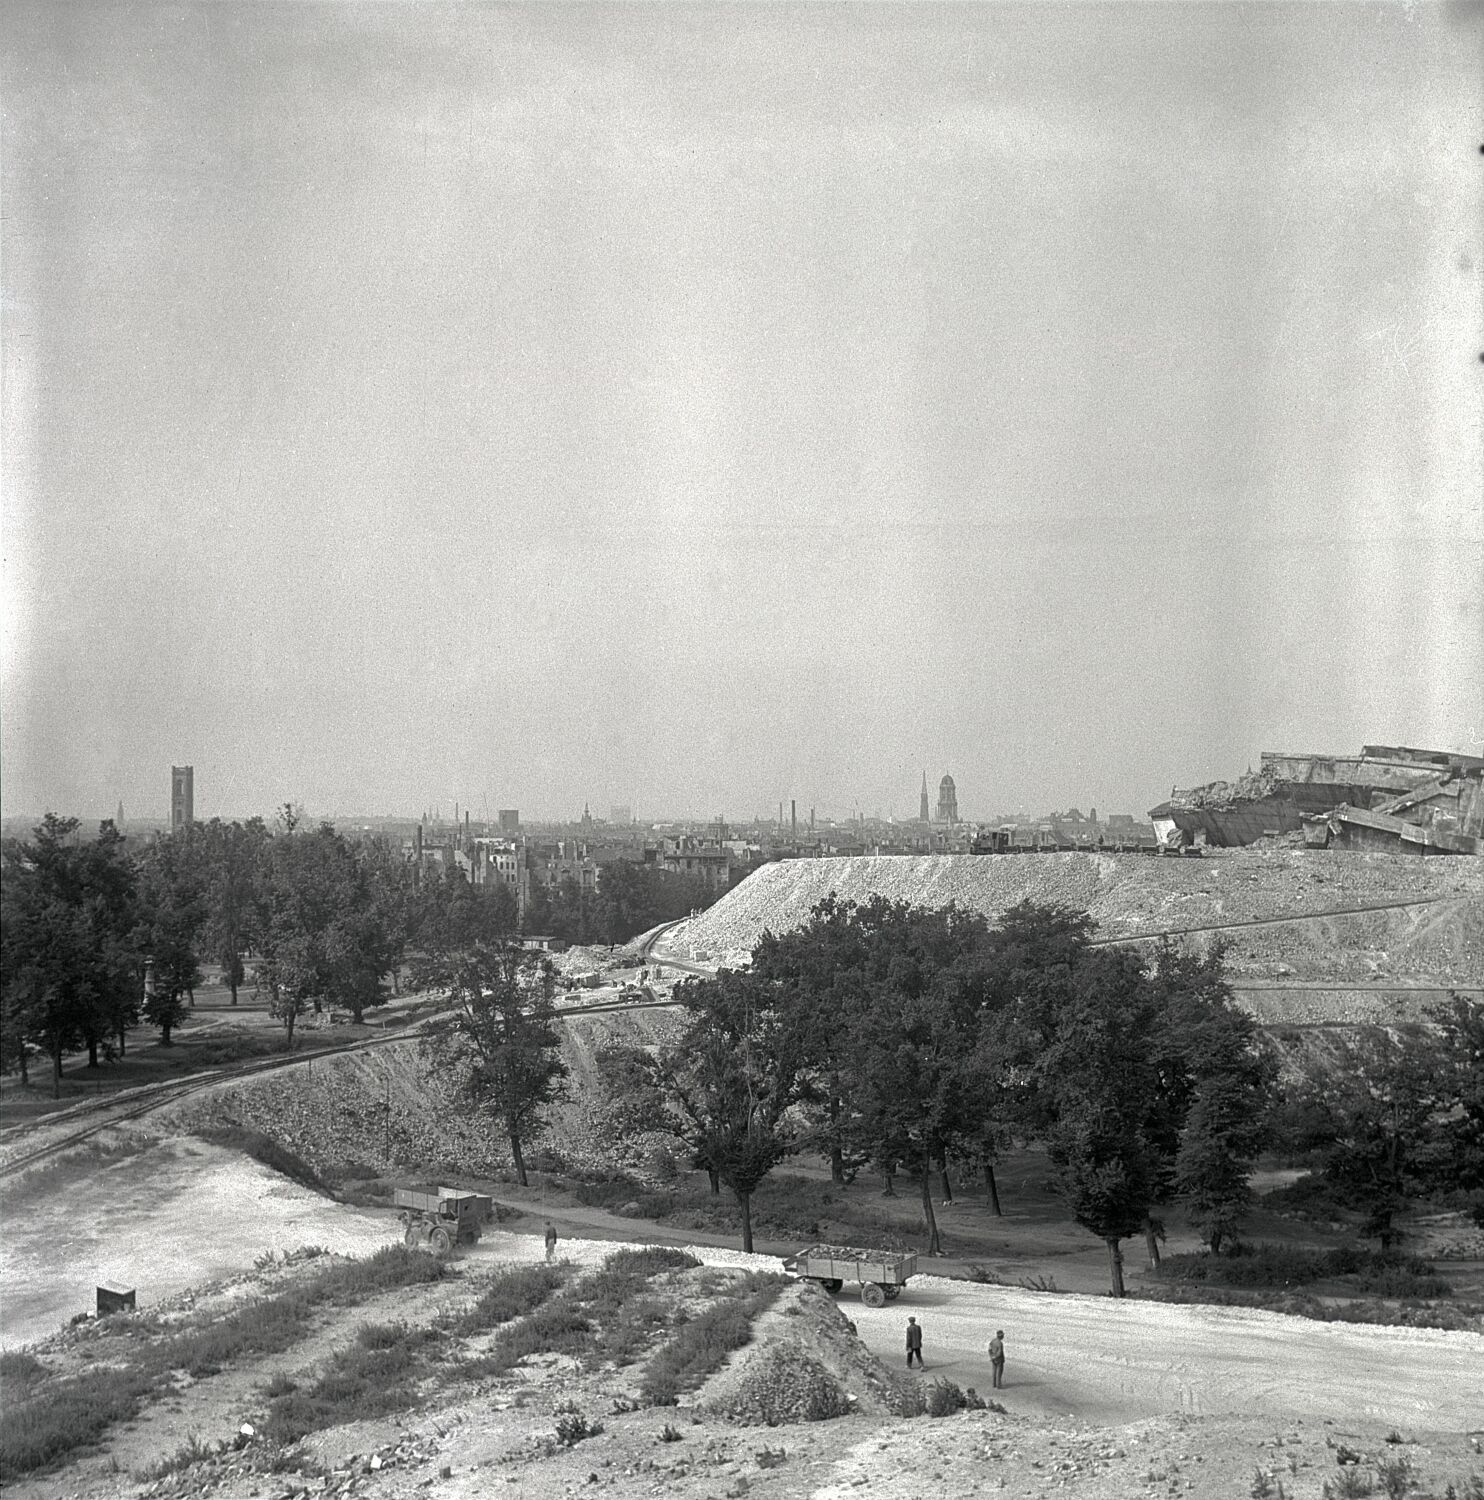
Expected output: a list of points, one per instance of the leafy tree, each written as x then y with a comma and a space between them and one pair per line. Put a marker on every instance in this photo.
1098, 1076
732, 1079
1211, 1094
71, 960
1386, 1124
1458, 1163
502, 1032
233, 856
323, 939
172, 888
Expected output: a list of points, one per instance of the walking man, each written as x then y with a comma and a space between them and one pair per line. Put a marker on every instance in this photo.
914, 1343
551, 1238
997, 1357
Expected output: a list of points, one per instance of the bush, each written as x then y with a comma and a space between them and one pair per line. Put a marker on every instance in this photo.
944, 1398
703, 1343
192, 1451
1382, 1272
41, 1430
19, 1366
650, 1260
573, 1427
555, 1328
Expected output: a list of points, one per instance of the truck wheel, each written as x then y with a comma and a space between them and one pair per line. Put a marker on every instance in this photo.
439, 1242
832, 1284
410, 1236
892, 1292
873, 1295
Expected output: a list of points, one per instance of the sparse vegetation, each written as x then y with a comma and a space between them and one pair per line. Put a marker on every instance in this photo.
703, 1343
57, 1417
512, 1294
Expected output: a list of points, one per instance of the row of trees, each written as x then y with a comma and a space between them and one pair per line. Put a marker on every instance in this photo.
101, 934
922, 1039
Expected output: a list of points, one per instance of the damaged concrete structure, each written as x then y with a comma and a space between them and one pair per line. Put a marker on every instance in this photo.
1389, 797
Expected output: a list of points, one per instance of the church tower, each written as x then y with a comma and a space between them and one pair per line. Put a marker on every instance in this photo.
922, 816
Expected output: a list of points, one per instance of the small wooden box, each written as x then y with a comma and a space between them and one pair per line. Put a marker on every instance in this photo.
114, 1299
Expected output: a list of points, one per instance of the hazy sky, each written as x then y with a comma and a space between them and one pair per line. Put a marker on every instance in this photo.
695, 406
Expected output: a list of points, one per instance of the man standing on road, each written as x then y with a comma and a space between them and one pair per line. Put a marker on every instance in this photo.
914, 1343
997, 1357
551, 1238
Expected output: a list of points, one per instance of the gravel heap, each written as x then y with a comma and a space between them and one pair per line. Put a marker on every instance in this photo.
1129, 894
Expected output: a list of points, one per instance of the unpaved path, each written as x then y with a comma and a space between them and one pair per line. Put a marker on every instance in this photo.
182, 1213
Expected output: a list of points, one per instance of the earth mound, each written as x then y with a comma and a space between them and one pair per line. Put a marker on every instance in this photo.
1340, 934
804, 1364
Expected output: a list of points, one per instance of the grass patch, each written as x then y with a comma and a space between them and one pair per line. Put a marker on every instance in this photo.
702, 1344
272, 1154
190, 1452
60, 1419
376, 1376
23, 1368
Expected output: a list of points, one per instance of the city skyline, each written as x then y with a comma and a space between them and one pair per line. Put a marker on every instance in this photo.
703, 405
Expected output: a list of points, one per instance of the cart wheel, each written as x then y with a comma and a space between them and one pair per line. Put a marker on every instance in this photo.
892, 1292
439, 1242
832, 1284
873, 1295
410, 1236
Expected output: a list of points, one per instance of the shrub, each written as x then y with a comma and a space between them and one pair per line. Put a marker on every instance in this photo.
702, 1344
1395, 1474
64, 1416
905, 1396
555, 1328
18, 1365
944, 1398
510, 1295
650, 1260
192, 1451
573, 1427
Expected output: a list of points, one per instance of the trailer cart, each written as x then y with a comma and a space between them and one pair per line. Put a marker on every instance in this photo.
880, 1274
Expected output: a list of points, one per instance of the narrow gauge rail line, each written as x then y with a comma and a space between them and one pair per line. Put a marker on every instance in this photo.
1303, 916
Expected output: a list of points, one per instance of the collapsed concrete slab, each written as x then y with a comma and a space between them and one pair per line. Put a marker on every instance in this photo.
1388, 797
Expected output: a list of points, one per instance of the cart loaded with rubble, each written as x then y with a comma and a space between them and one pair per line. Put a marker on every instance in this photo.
880, 1274
438, 1218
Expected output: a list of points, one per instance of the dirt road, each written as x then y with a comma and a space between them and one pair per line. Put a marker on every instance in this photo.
184, 1212
1107, 1362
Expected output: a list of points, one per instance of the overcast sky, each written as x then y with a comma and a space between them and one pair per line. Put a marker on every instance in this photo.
697, 406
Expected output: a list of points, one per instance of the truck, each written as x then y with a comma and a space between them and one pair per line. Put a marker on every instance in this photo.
438, 1218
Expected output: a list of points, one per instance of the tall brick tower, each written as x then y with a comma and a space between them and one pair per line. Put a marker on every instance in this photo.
947, 801
182, 796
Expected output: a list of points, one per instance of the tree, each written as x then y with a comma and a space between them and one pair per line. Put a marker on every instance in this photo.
502, 1032
732, 1079
172, 888
1098, 1076
233, 856
1386, 1121
1212, 1090
71, 959
1459, 1161
323, 940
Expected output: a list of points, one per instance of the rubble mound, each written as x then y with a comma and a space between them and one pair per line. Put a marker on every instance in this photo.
804, 1364
1137, 894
